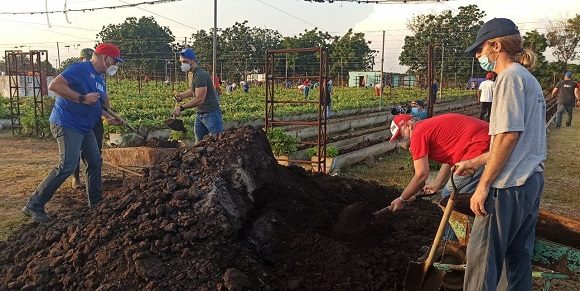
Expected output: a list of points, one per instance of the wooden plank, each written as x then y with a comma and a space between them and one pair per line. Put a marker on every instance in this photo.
136, 156
559, 229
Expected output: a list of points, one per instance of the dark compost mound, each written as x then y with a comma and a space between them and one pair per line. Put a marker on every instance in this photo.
221, 215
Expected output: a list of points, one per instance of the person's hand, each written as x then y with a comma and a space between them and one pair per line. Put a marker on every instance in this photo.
92, 98
176, 96
177, 111
578, 103
464, 168
430, 189
477, 201
114, 121
397, 204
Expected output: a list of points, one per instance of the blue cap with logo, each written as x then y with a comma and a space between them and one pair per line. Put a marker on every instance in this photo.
188, 54
494, 28
568, 75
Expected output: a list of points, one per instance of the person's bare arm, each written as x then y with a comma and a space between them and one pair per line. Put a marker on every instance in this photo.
61, 87
440, 180
417, 182
200, 93
554, 92
501, 150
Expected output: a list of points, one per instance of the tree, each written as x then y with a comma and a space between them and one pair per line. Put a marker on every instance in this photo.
304, 63
564, 37
241, 49
456, 32
69, 62
538, 43
144, 44
351, 52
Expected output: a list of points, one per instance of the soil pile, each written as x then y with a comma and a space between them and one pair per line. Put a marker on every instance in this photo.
221, 215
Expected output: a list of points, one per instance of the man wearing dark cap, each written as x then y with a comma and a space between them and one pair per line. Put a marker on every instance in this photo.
568, 94
507, 199
78, 107
208, 118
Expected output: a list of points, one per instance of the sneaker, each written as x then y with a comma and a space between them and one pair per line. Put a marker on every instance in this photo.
37, 215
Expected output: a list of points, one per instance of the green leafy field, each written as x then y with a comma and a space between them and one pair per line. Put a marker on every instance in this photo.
155, 103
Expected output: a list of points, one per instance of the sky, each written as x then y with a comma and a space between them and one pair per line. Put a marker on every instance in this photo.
289, 17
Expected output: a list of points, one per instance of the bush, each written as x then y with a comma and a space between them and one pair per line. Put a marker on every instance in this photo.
27, 120
282, 144
4, 108
331, 152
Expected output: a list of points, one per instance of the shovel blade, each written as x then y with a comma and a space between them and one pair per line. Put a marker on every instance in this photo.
417, 279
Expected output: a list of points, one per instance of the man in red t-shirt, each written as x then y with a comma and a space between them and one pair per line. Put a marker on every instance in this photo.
446, 139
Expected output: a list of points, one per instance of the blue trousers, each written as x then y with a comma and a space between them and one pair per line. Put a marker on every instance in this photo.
70, 144
507, 233
208, 123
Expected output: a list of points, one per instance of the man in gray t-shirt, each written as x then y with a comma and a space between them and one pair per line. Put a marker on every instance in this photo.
208, 118
566, 91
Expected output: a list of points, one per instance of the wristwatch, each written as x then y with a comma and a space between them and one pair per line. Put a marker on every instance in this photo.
81, 98
181, 107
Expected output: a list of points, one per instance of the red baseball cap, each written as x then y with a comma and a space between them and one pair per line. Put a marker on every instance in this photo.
398, 121
110, 50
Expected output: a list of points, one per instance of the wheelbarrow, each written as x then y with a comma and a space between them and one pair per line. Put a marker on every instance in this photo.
556, 248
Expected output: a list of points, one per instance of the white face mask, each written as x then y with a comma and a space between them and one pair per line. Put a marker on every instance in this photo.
185, 67
112, 70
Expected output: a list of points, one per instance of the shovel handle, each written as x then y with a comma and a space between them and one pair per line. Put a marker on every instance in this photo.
115, 115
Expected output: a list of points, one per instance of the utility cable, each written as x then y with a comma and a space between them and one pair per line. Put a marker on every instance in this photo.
130, 5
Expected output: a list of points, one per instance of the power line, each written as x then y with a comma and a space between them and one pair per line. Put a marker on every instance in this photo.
128, 5
167, 18
287, 13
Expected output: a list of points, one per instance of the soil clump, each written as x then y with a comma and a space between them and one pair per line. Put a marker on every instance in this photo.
220, 215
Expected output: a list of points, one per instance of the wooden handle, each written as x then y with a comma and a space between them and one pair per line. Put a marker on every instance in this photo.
115, 115
439, 235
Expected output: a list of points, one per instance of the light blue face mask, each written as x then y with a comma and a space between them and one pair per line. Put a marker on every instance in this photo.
414, 110
486, 64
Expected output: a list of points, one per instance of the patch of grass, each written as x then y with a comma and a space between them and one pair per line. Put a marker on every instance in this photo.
392, 168
10, 223
562, 166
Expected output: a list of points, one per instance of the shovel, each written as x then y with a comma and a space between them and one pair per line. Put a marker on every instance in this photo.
421, 276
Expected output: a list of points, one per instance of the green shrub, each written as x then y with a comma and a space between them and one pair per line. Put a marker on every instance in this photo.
282, 144
331, 152
4, 108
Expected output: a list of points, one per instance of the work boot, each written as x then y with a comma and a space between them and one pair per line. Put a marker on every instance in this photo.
76, 182
39, 216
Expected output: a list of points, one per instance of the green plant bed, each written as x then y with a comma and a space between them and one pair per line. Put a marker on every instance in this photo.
154, 103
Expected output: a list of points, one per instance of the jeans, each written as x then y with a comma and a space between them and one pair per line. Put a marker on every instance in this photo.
506, 233
465, 184
99, 131
70, 145
560, 112
208, 123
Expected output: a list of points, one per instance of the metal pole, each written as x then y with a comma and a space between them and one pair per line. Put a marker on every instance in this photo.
430, 78
58, 54
472, 62
382, 67
441, 78
214, 39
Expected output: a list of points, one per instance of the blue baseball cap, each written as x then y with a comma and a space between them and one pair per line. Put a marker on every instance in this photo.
568, 75
188, 54
494, 28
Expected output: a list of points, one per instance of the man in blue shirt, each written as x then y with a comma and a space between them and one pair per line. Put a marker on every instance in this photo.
78, 107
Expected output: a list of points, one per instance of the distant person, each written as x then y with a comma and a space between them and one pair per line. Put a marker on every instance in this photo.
78, 107
418, 110
566, 91
218, 88
246, 87
208, 117
435, 89
485, 96
328, 99
306, 88
378, 88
